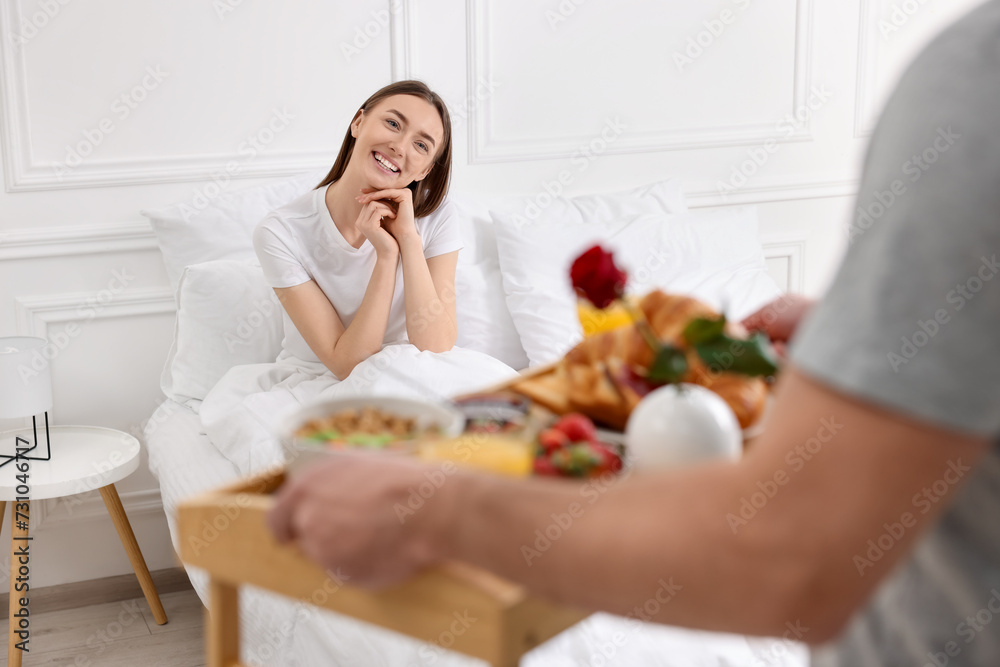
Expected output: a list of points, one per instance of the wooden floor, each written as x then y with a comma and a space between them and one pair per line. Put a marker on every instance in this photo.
119, 634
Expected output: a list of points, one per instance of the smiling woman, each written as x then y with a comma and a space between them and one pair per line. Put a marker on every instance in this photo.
364, 267
429, 189
339, 257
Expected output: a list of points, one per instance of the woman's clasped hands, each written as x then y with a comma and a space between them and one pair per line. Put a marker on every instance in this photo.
399, 223
371, 221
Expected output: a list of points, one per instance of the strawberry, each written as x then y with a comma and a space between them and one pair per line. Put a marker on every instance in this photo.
543, 466
550, 439
610, 461
577, 427
577, 460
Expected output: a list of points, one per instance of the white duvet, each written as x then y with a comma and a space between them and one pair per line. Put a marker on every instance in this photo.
239, 416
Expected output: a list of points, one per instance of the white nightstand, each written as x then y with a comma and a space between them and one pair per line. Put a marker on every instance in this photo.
83, 458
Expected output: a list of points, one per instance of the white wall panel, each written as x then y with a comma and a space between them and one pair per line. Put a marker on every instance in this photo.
123, 92
670, 74
891, 34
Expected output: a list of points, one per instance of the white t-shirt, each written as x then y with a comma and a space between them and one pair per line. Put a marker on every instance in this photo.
299, 242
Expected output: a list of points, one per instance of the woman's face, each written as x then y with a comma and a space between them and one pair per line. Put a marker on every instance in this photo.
396, 141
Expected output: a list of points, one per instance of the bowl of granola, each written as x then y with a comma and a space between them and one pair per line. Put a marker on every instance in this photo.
380, 424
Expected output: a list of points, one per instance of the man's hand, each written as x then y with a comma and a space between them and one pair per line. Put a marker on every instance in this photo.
352, 512
779, 319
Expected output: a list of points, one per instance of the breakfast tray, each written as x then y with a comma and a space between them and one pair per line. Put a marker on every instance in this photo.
243, 552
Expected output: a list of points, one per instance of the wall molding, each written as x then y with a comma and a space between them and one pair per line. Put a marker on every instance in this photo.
793, 248
485, 148
35, 313
23, 172
702, 196
864, 123
401, 39
89, 506
32, 243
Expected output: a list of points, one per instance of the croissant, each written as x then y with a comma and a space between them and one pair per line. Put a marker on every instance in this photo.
594, 377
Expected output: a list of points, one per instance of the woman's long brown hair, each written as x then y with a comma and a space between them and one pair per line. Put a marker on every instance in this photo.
430, 192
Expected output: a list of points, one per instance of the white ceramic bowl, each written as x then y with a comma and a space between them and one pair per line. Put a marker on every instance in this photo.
449, 419
681, 425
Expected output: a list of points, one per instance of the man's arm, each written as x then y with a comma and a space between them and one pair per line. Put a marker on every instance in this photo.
781, 536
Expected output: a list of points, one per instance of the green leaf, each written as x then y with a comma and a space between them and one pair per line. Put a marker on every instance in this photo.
670, 365
324, 435
703, 330
751, 357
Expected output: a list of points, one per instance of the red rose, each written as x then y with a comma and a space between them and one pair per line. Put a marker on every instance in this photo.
596, 278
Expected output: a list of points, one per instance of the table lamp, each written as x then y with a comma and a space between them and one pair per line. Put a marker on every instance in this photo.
25, 389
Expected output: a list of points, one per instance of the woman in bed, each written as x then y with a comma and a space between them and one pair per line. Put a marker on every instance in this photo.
364, 267
339, 257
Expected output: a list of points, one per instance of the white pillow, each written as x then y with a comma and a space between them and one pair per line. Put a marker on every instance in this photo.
666, 196
713, 255
484, 323
227, 315
202, 229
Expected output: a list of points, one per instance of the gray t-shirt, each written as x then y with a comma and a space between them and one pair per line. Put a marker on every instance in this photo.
912, 323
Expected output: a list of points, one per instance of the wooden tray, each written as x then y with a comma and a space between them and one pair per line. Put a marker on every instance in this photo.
225, 533
237, 548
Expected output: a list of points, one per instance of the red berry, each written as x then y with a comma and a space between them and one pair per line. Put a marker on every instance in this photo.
576, 426
550, 439
544, 466
610, 461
